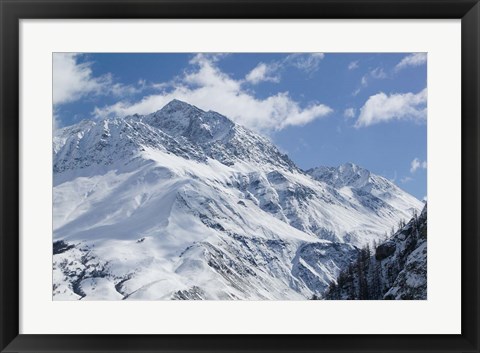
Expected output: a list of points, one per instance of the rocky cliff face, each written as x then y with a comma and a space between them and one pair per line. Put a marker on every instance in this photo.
395, 269
185, 204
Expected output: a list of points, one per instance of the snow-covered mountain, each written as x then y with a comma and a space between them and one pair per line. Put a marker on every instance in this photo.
395, 269
186, 204
373, 192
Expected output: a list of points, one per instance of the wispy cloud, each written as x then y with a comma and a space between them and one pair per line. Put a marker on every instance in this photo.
56, 120
73, 80
406, 179
261, 73
306, 62
206, 86
364, 81
353, 65
271, 72
356, 92
394, 179
415, 59
377, 73
398, 106
417, 164
349, 113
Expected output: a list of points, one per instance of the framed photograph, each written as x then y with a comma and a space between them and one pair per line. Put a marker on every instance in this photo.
236, 176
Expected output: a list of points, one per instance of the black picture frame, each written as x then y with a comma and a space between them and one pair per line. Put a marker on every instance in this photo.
12, 11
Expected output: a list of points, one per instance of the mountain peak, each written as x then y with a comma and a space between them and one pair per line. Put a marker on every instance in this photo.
176, 105
178, 118
349, 169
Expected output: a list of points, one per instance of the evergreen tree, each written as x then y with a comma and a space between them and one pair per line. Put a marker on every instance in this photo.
377, 286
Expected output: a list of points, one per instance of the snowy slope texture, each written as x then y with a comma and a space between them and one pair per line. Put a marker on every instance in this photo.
186, 204
397, 268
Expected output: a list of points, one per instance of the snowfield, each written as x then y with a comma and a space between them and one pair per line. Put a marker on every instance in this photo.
185, 204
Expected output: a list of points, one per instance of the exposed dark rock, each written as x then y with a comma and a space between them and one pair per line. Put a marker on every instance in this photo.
61, 246
194, 293
385, 250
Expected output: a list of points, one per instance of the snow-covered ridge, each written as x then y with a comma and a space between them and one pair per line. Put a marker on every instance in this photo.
177, 128
185, 204
373, 191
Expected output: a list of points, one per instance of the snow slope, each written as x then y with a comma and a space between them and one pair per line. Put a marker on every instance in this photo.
185, 204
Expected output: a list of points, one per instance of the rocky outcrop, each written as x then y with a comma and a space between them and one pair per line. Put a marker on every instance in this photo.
397, 269
385, 250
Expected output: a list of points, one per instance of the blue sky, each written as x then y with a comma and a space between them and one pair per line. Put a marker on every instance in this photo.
320, 108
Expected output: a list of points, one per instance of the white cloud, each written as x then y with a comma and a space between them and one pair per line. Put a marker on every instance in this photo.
73, 80
262, 73
414, 165
349, 113
378, 73
417, 164
119, 89
272, 71
353, 65
399, 106
364, 81
415, 59
306, 62
207, 87
406, 179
